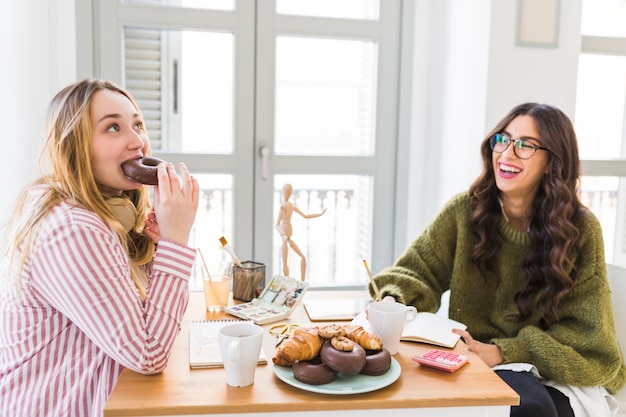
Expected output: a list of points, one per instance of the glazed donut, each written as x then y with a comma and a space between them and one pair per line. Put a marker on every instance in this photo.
313, 372
377, 362
348, 363
142, 170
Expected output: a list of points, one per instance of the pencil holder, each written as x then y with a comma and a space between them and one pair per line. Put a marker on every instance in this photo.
248, 280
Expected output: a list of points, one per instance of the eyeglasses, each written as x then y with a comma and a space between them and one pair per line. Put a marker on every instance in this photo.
521, 147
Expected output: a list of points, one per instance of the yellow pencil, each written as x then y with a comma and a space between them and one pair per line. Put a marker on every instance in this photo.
369, 273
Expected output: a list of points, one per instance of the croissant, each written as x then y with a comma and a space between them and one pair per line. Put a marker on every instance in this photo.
304, 345
366, 340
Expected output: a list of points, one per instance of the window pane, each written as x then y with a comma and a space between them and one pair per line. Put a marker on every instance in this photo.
349, 9
600, 98
213, 220
196, 4
600, 194
207, 92
334, 244
603, 18
183, 82
325, 96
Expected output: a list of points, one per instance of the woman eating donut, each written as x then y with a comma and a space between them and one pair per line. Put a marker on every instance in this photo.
85, 290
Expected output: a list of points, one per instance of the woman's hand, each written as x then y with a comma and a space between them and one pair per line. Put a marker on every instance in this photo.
151, 228
490, 354
175, 204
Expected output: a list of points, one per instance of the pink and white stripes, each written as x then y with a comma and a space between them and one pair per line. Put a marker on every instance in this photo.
78, 319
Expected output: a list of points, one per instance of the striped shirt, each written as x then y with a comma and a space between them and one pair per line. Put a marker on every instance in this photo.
77, 319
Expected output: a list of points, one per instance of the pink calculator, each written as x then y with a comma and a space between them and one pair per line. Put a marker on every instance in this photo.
441, 359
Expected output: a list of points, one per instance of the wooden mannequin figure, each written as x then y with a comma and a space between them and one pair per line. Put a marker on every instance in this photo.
283, 225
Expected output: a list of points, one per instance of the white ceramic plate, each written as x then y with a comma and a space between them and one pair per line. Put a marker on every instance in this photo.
354, 384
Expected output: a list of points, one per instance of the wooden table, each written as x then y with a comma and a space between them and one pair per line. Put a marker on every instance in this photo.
474, 390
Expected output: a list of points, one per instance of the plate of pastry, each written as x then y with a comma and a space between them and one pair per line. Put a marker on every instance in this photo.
343, 384
335, 359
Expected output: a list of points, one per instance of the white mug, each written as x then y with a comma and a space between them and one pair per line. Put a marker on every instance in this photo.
387, 321
240, 346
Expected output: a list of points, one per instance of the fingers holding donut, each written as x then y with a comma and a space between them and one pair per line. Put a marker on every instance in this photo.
190, 184
176, 202
185, 183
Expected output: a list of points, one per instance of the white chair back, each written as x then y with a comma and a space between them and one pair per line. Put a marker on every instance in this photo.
617, 281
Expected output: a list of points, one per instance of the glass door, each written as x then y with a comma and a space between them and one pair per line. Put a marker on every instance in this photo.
326, 109
253, 95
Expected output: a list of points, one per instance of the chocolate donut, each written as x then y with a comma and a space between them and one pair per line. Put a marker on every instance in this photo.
377, 362
346, 362
313, 372
142, 170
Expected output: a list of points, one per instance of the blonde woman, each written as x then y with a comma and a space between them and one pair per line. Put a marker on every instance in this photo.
93, 279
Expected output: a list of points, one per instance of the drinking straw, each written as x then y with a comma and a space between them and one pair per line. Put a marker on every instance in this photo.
206, 270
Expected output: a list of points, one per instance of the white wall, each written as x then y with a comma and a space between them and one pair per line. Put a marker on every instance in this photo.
520, 74
468, 73
38, 58
448, 93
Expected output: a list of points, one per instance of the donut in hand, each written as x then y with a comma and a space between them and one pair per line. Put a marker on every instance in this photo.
142, 170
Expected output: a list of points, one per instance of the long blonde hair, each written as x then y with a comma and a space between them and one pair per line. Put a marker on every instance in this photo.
68, 150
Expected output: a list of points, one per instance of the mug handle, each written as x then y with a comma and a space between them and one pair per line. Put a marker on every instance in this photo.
411, 313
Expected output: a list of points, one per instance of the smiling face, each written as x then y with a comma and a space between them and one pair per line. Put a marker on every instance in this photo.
520, 178
118, 136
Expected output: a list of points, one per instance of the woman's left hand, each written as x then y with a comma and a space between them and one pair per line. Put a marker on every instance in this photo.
490, 354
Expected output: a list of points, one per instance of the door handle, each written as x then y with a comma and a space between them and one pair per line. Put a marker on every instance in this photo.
265, 154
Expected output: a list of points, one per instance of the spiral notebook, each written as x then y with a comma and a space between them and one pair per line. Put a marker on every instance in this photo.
204, 349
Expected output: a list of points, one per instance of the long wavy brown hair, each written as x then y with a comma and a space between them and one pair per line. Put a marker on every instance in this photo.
549, 269
69, 177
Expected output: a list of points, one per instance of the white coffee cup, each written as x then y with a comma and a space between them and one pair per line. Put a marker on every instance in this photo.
240, 346
387, 321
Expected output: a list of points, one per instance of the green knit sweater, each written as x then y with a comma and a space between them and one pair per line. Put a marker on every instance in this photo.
580, 350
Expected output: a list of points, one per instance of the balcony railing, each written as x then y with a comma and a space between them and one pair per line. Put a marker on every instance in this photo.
336, 243
332, 244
